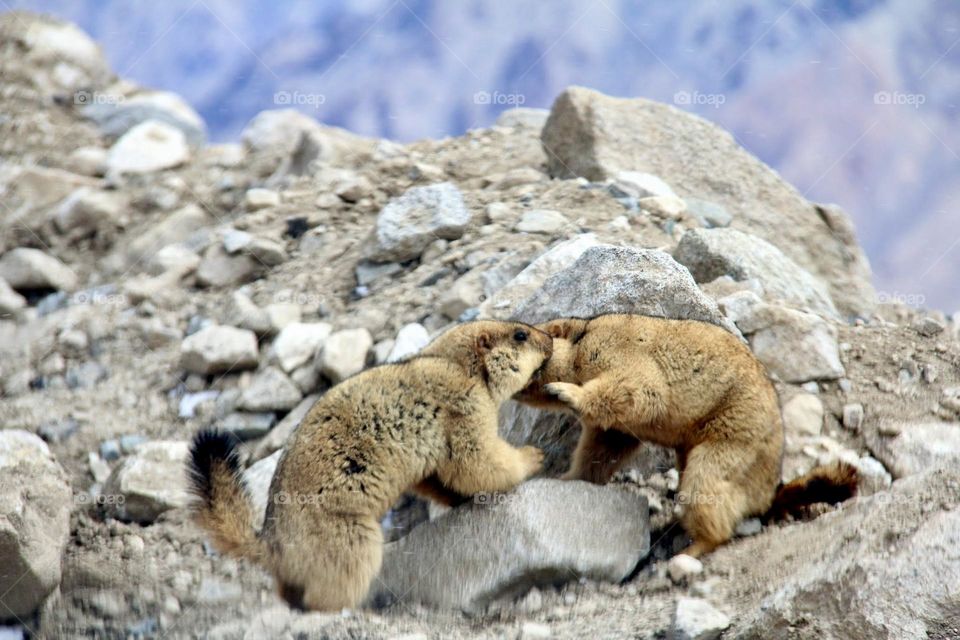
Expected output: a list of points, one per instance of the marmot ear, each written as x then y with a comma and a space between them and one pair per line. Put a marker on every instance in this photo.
555, 330
484, 342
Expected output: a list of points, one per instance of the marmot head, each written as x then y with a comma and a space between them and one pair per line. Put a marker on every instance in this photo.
561, 367
504, 354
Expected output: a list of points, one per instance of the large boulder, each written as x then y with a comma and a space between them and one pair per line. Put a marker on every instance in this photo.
611, 279
886, 566
35, 503
712, 253
544, 532
411, 222
596, 136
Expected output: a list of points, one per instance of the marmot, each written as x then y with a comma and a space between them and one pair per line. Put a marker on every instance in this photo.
427, 423
688, 385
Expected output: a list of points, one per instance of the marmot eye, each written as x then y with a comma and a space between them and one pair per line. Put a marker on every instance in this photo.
520, 335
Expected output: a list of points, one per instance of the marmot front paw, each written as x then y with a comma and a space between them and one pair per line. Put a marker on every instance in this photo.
568, 393
533, 458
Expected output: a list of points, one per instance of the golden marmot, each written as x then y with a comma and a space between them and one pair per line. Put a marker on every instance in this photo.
428, 423
688, 385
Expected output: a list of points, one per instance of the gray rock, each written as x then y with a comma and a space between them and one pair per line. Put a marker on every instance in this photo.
503, 303
87, 211
190, 401
344, 353
174, 228
115, 118
852, 416
217, 349
544, 221
410, 340
712, 253
248, 426
794, 345
148, 147
298, 343
697, 619
148, 482
411, 222
277, 437
235, 240
35, 505
368, 272
596, 136
220, 269
25, 268
611, 279
270, 390
709, 214
86, 375
919, 447
501, 545
465, 293
267, 252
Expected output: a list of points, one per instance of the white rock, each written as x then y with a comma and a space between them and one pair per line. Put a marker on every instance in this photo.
522, 117
173, 257
411, 222
257, 480
35, 505
872, 476
736, 305
148, 482
697, 619
148, 147
282, 314
544, 221
270, 390
921, 446
25, 268
344, 353
534, 631
749, 527
234, 240
255, 199
794, 345
115, 118
410, 340
663, 206
60, 52
298, 343
803, 415
218, 349
220, 269
682, 567
465, 293
642, 185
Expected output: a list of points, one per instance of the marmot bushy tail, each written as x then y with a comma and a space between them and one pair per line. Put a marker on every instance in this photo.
831, 483
428, 424
224, 509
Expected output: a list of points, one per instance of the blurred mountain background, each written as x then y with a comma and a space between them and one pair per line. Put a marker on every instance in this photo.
852, 101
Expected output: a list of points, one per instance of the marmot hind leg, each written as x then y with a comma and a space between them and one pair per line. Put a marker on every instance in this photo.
713, 498
599, 454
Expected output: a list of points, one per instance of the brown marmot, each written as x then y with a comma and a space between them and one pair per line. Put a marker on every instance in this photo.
427, 423
688, 385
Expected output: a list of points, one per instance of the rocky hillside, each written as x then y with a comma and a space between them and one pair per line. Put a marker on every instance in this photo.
151, 285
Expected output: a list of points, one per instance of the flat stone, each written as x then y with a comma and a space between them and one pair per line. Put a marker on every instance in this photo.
218, 349
148, 482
